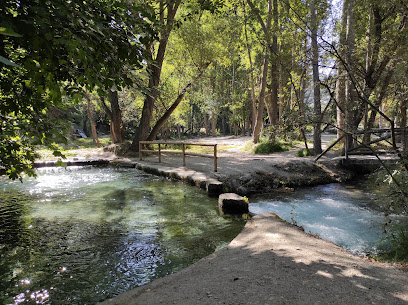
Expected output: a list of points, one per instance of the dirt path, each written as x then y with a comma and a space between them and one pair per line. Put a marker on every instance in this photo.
272, 262
246, 174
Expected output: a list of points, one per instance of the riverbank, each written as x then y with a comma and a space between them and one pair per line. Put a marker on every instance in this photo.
270, 262
246, 174
273, 262
238, 170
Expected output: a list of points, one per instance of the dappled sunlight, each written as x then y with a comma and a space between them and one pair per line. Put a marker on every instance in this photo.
325, 274
273, 262
296, 252
95, 232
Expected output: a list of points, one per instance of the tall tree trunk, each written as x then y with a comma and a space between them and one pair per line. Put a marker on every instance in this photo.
274, 88
173, 107
115, 116
317, 141
266, 28
340, 99
253, 99
302, 115
268, 104
155, 74
261, 105
117, 131
350, 98
282, 105
403, 124
214, 117
91, 120
371, 120
206, 125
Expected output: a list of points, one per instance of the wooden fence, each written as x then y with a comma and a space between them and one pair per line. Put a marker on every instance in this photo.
183, 145
385, 134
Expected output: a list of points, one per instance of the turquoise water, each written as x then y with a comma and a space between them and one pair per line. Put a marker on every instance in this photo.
82, 235
346, 215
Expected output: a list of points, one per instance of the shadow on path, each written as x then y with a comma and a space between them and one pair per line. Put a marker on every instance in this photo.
272, 262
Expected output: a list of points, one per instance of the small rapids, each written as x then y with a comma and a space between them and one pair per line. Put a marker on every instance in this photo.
343, 214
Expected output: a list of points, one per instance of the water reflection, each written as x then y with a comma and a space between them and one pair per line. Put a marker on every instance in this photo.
83, 235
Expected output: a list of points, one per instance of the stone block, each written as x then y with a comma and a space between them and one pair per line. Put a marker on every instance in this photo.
232, 204
214, 187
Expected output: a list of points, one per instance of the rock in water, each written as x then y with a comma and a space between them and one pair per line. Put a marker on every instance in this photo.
232, 204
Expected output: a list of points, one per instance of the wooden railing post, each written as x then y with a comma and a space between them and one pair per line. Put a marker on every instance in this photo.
140, 151
346, 144
184, 154
215, 157
159, 154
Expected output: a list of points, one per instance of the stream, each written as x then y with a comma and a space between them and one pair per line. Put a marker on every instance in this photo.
81, 235
346, 214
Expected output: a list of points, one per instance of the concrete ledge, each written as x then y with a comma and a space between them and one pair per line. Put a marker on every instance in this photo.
232, 204
212, 186
122, 163
73, 162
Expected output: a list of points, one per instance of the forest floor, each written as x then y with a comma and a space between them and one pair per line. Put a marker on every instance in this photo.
270, 261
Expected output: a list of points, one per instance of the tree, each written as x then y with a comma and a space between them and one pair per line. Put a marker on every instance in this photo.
266, 29
317, 144
63, 48
167, 11
372, 41
91, 118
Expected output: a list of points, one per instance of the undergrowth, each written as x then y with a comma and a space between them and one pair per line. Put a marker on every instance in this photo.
394, 247
67, 149
303, 152
265, 147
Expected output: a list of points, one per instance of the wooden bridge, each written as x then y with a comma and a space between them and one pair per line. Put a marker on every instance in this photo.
390, 146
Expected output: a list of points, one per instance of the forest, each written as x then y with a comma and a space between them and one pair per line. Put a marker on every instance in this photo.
143, 70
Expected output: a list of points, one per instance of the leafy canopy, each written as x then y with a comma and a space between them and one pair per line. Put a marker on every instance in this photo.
54, 48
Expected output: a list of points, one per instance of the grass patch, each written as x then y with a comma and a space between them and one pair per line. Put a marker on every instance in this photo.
265, 147
303, 152
248, 147
86, 143
68, 149
209, 149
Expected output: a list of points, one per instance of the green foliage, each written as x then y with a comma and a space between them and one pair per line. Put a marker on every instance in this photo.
8, 32
396, 186
395, 245
61, 47
304, 153
266, 147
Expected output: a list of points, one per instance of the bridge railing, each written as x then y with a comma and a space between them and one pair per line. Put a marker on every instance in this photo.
381, 134
183, 145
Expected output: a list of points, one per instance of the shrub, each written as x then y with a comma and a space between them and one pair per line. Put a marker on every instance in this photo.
395, 244
304, 153
270, 147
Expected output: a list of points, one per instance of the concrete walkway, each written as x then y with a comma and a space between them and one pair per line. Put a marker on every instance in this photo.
272, 262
